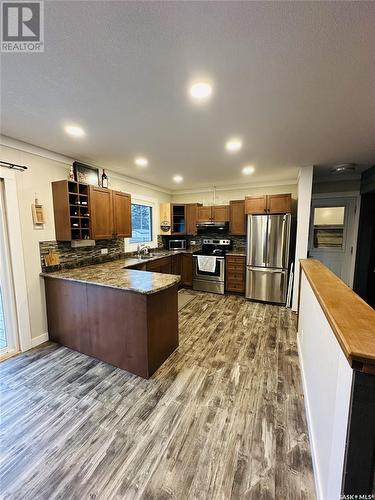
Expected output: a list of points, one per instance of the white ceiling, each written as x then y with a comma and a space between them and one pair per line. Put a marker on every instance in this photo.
295, 80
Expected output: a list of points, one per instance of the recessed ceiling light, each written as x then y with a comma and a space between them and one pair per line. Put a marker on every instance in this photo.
178, 178
141, 161
343, 167
249, 169
74, 130
201, 91
233, 145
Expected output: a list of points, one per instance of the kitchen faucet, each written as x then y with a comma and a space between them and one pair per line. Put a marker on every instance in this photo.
142, 248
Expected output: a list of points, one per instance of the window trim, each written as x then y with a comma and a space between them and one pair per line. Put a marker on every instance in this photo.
152, 224
142, 200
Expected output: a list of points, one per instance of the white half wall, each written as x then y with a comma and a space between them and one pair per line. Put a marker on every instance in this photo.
304, 188
327, 379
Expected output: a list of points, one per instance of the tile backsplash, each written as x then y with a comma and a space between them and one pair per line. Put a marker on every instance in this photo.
83, 256
238, 242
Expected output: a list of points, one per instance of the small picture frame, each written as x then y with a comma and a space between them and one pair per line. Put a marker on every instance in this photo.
86, 174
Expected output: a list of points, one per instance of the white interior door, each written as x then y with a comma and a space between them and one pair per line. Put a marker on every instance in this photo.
333, 235
8, 320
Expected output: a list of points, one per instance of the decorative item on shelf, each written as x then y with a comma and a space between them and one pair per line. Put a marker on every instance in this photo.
104, 179
86, 174
165, 226
38, 213
71, 174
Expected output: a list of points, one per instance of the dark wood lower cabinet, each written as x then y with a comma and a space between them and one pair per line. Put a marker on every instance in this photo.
176, 264
162, 265
235, 273
187, 269
133, 331
181, 264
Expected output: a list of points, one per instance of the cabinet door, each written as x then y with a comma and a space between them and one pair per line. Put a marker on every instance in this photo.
279, 203
101, 213
187, 269
237, 217
165, 265
235, 274
256, 204
204, 214
121, 214
178, 219
176, 264
220, 213
191, 218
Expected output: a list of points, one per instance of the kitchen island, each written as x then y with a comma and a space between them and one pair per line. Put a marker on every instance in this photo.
125, 317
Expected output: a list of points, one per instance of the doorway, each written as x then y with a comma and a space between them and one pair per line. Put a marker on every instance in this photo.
8, 322
333, 234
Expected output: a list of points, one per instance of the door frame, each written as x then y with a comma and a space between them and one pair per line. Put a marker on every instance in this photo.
17, 277
351, 234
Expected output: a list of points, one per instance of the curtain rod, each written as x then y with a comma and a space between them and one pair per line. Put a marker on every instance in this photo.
12, 165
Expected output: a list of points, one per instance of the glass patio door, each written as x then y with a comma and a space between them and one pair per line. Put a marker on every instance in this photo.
8, 323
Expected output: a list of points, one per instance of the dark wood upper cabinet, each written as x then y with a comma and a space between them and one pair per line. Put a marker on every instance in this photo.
237, 218
121, 214
90, 212
178, 219
270, 204
101, 213
217, 213
256, 204
71, 207
279, 203
220, 213
191, 218
204, 214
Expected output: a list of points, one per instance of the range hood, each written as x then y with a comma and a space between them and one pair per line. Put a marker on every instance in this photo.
213, 227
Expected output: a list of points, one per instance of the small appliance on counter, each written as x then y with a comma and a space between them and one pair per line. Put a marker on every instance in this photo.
209, 266
177, 244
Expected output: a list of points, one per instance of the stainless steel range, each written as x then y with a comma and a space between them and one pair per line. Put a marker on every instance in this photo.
209, 266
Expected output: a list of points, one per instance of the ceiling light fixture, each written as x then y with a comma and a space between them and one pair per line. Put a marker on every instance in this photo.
233, 145
140, 161
343, 167
178, 178
200, 91
249, 169
74, 130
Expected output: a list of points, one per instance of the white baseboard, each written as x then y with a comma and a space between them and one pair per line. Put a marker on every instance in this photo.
39, 340
318, 486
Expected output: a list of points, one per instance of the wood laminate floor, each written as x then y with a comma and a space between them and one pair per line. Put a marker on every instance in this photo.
223, 418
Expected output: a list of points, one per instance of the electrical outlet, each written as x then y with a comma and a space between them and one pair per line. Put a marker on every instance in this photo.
104, 251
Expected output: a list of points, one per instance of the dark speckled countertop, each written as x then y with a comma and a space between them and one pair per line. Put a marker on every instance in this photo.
118, 274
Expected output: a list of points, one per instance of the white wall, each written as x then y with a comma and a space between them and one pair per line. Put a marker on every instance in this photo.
305, 178
43, 168
223, 195
327, 378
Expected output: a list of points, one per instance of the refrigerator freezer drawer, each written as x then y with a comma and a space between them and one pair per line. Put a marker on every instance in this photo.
268, 285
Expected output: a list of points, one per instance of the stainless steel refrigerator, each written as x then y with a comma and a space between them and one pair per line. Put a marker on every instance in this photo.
268, 241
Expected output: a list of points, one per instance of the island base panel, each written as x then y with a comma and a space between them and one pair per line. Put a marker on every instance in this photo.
135, 332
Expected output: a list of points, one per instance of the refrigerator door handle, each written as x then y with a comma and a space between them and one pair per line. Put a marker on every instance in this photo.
267, 270
265, 243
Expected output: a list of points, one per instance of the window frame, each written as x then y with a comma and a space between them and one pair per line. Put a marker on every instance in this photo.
151, 221
140, 200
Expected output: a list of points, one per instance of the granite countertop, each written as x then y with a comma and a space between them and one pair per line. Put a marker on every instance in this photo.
112, 274
134, 261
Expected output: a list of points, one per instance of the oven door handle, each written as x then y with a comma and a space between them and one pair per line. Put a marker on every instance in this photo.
218, 258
